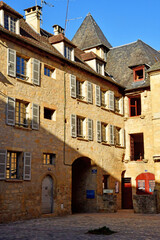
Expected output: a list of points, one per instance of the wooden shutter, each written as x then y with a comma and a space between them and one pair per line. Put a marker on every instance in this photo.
36, 71
122, 136
111, 100
98, 95
73, 125
11, 62
27, 166
3, 161
111, 130
90, 129
121, 104
99, 138
89, 92
35, 116
73, 85
10, 118
132, 147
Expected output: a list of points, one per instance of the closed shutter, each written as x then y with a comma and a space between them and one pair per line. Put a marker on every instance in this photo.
98, 96
11, 61
36, 71
73, 125
131, 147
111, 100
73, 85
122, 135
10, 118
99, 138
111, 130
3, 160
121, 102
89, 92
90, 129
35, 116
27, 166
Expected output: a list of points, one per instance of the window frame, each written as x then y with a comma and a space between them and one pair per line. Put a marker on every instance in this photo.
50, 160
135, 75
23, 107
10, 19
135, 106
81, 127
23, 72
52, 112
10, 162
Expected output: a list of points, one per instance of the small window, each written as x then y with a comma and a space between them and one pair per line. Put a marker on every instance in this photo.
135, 106
48, 71
80, 127
49, 158
68, 52
10, 23
21, 114
49, 113
21, 68
14, 168
99, 67
105, 181
104, 132
139, 73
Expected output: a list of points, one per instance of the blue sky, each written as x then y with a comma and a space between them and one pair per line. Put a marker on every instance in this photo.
122, 21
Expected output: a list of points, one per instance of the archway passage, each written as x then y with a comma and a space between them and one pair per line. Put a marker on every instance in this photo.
47, 195
84, 186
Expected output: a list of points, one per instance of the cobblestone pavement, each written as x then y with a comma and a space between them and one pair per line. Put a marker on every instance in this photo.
126, 224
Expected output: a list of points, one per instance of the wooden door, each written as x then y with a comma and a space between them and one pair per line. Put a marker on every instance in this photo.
127, 193
47, 195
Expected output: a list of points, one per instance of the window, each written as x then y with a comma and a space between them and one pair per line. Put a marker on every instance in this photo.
135, 106
99, 68
21, 114
68, 52
15, 165
21, 68
80, 89
117, 136
49, 158
117, 104
49, 114
136, 146
103, 99
80, 127
48, 71
104, 130
105, 181
139, 73
10, 23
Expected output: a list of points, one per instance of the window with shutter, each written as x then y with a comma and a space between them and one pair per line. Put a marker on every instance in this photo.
36, 72
11, 61
111, 129
104, 132
73, 125
99, 131
98, 95
35, 116
11, 111
89, 92
90, 129
73, 85
27, 166
111, 100
121, 102
3, 160
122, 136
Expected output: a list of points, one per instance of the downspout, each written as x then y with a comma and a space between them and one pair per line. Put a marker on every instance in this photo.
64, 126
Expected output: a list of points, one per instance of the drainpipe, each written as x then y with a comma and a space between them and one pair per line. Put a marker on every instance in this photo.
64, 126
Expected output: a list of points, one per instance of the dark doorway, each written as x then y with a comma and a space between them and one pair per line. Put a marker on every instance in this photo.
84, 185
127, 193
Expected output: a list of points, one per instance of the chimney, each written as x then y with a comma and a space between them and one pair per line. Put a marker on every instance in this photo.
57, 30
33, 15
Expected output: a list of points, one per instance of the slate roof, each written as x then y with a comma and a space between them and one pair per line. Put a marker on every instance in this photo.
120, 59
155, 67
89, 35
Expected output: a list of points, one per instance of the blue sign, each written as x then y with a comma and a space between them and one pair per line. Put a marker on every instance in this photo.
90, 194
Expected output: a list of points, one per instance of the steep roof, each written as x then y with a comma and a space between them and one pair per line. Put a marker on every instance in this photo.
120, 59
90, 35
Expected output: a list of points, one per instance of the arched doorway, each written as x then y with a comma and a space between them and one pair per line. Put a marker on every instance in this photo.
47, 195
84, 186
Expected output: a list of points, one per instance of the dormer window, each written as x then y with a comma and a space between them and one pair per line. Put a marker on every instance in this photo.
138, 73
10, 23
68, 52
100, 67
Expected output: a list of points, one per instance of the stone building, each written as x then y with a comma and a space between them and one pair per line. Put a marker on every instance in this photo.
79, 119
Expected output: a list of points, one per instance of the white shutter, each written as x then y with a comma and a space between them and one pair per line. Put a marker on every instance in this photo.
90, 129
36, 71
73, 85
27, 166
111, 131
3, 161
111, 100
35, 116
122, 137
121, 104
89, 92
99, 139
98, 95
73, 125
10, 118
11, 62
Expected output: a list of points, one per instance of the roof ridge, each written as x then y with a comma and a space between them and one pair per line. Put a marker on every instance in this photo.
149, 48
124, 45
